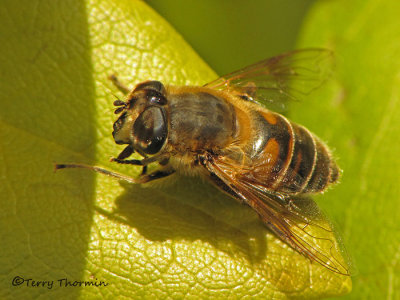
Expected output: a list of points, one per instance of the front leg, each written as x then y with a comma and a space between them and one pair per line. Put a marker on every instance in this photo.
143, 179
128, 151
162, 158
140, 162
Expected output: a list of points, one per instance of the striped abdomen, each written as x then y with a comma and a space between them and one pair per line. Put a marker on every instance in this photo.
288, 158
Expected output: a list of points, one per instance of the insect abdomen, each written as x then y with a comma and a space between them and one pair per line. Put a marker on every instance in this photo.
311, 167
288, 158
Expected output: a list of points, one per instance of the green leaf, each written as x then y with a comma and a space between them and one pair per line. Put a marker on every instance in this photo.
361, 119
186, 239
230, 35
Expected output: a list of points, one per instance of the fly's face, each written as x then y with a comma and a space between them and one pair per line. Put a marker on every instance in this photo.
143, 119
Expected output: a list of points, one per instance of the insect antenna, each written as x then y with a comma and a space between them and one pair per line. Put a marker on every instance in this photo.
120, 103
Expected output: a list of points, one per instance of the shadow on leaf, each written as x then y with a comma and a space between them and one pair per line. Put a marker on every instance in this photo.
189, 210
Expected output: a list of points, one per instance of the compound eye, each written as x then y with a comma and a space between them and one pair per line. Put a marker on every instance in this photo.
151, 85
150, 130
154, 91
156, 97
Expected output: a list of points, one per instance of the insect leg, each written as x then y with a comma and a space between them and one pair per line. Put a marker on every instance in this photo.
135, 162
114, 79
98, 170
156, 175
222, 186
143, 179
144, 170
138, 162
126, 152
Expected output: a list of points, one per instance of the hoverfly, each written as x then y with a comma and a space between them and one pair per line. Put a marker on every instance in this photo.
221, 131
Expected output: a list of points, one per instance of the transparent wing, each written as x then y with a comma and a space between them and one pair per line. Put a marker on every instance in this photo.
296, 220
274, 81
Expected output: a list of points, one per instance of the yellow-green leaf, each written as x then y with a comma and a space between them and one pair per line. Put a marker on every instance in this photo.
186, 239
359, 117
362, 120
